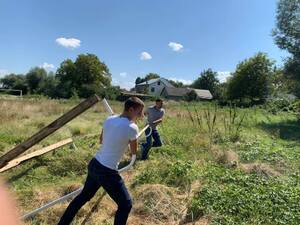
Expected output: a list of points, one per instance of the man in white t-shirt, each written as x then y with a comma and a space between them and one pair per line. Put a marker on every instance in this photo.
118, 131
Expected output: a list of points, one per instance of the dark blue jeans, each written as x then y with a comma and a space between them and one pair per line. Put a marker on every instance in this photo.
113, 184
147, 146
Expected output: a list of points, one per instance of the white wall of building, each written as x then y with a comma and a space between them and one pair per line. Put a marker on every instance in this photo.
156, 88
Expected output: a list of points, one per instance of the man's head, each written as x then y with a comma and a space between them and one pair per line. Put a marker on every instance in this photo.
159, 103
134, 107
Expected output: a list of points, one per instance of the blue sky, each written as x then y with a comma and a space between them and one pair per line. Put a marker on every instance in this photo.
177, 39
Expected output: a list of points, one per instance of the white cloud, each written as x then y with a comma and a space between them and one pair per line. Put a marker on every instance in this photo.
47, 66
145, 56
185, 82
68, 42
3, 72
123, 74
223, 75
176, 47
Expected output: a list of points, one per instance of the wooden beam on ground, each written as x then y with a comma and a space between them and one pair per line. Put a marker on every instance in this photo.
40, 152
46, 131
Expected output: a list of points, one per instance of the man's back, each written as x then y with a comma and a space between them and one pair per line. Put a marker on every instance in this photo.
117, 132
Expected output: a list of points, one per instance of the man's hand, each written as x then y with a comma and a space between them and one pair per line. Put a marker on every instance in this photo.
133, 146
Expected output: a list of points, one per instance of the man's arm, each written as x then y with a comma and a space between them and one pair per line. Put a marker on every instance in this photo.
133, 146
101, 137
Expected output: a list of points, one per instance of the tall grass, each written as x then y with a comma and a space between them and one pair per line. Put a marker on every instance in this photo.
222, 124
233, 123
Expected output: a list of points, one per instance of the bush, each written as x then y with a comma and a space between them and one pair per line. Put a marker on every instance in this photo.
191, 96
278, 105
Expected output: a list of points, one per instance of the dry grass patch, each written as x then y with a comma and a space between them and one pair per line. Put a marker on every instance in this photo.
227, 158
260, 169
158, 203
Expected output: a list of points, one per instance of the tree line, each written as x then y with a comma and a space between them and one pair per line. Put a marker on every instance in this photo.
85, 76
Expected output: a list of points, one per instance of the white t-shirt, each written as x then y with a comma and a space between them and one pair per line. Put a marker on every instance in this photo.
117, 132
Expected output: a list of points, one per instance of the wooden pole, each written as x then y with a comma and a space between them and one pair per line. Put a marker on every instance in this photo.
46, 131
42, 151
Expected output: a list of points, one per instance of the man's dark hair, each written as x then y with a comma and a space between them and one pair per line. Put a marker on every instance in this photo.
158, 100
133, 102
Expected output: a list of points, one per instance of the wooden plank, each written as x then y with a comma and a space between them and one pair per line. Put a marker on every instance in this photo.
40, 152
46, 131
143, 130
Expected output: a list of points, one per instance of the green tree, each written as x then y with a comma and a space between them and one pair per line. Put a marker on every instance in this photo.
111, 92
177, 84
207, 80
251, 80
49, 85
139, 80
287, 37
280, 84
84, 77
14, 81
190, 96
34, 78
287, 31
150, 76
93, 75
66, 74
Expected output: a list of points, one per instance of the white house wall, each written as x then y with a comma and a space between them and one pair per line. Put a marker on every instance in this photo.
157, 88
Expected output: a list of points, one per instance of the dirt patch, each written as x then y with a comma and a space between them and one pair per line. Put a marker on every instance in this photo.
227, 158
70, 188
201, 221
260, 169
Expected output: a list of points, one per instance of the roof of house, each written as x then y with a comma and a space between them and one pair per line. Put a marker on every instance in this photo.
205, 94
173, 91
179, 92
148, 82
132, 93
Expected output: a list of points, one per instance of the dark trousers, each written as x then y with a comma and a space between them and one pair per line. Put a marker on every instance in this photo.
113, 184
147, 146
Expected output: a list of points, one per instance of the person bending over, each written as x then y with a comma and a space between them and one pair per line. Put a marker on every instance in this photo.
118, 131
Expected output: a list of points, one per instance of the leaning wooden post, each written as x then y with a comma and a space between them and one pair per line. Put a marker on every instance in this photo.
46, 131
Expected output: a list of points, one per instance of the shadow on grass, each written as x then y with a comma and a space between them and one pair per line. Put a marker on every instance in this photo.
25, 172
287, 130
123, 163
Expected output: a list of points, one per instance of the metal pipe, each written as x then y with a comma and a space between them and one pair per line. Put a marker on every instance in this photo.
70, 195
107, 106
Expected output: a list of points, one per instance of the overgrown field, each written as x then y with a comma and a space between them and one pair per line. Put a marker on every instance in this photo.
217, 165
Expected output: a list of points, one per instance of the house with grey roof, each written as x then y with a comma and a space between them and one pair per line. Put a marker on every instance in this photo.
163, 88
